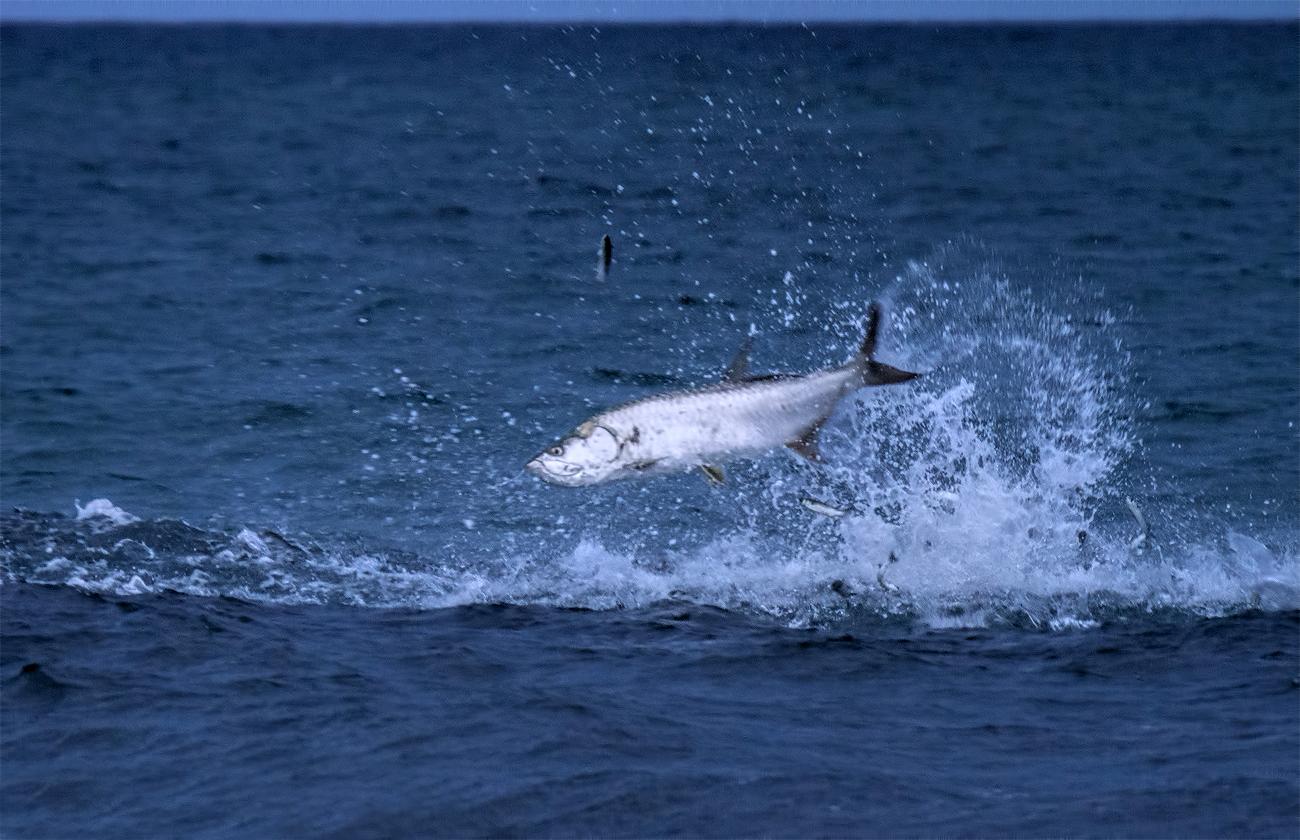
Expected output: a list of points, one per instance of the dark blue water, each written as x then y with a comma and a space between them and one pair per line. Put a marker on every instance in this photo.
301, 301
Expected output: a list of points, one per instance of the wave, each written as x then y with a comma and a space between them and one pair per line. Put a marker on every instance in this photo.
840, 576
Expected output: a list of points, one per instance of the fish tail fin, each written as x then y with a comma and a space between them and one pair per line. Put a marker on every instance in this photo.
873, 372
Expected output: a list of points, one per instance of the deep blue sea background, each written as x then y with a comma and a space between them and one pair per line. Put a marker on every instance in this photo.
285, 310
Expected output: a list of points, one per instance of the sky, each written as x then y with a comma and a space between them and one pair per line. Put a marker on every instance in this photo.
611, 11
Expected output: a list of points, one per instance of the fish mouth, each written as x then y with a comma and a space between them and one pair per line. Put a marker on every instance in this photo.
549, 469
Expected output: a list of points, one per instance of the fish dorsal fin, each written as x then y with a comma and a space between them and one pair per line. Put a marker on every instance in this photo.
738, 370
806, 444
713, 474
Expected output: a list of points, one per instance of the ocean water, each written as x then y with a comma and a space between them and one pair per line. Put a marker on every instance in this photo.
286, 309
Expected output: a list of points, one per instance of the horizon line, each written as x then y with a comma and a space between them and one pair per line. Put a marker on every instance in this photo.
677, 12
6, 19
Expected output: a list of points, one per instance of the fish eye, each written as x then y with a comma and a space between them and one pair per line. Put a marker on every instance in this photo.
555, 450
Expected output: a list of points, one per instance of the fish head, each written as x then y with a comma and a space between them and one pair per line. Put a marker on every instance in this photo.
589, 455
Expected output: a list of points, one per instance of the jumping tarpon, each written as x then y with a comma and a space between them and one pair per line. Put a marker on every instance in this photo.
698, 428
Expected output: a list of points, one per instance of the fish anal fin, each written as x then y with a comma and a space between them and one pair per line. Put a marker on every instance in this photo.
738, 370
806, 444
713, 473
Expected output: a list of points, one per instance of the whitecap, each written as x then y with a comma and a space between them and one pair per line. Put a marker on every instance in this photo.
106, 509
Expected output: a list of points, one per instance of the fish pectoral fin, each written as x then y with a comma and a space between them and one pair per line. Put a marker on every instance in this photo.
713, 473
738, 370
806, 444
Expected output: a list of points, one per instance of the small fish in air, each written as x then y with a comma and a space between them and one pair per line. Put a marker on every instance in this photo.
604, 257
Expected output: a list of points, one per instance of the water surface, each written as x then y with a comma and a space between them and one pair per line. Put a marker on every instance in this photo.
300, 301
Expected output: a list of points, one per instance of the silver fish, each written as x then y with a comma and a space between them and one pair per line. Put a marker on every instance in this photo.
1143, 539
695, 429
818, 506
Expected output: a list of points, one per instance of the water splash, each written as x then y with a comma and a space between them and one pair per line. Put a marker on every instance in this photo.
991, 491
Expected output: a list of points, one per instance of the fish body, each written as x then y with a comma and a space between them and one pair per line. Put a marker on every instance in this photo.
697, 428
820, 507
